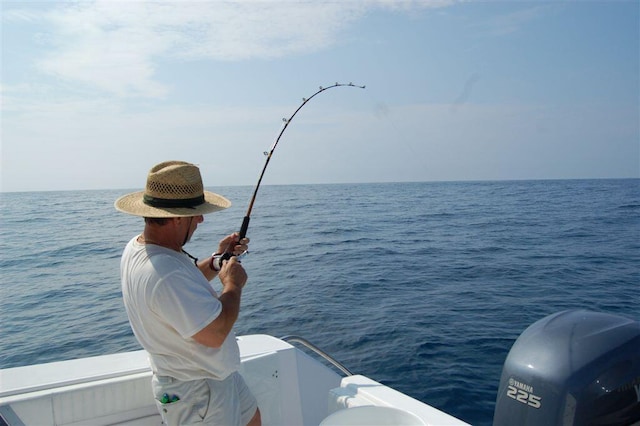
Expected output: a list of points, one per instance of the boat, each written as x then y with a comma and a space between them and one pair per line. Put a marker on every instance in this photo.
564, 369
292, 388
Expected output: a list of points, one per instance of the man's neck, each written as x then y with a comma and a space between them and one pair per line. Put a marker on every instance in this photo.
163, 236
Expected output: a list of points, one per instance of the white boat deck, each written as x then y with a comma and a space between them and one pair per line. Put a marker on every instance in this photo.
292, 388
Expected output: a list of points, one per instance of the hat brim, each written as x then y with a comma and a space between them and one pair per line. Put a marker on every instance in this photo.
133, 204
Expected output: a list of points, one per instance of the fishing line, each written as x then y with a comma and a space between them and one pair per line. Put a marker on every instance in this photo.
286, 121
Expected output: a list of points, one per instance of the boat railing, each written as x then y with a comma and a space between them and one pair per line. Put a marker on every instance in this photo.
307, 344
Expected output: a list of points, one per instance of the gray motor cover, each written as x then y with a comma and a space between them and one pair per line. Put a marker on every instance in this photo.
572, 368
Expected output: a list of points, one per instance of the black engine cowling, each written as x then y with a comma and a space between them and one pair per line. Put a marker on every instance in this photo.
572, 368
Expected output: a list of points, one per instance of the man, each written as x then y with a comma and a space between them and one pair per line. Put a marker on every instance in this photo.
173, 310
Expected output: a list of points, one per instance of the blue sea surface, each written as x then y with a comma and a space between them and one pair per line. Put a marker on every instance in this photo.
421, 286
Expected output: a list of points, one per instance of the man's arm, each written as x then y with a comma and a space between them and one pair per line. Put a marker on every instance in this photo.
205, 268
233, 277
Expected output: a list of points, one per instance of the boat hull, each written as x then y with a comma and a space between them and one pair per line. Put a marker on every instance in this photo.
291, 387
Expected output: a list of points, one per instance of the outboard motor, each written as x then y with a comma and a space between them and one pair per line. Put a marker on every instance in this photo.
572, 368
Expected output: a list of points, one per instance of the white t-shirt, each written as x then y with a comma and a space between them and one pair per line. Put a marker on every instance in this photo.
168, 300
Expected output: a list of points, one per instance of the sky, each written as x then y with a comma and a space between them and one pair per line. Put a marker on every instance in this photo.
94, 93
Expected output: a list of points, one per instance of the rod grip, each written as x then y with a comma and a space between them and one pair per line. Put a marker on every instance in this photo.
244, 227
242, 233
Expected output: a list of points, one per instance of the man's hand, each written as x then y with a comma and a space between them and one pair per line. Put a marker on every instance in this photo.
232, 273
233, 245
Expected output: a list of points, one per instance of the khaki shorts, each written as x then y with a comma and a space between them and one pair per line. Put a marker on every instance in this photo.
225, 402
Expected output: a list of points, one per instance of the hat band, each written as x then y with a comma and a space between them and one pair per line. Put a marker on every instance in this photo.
190, 203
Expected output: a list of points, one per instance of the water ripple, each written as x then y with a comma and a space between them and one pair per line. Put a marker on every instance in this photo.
423, 286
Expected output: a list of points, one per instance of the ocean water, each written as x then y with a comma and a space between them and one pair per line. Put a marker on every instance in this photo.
421, 286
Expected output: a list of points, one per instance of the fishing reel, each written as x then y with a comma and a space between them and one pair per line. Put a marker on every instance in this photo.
217, 259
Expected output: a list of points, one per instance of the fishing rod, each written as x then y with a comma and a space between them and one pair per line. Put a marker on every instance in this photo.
245, 221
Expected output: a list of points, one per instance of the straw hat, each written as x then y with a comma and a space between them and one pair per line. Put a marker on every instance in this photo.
174, 189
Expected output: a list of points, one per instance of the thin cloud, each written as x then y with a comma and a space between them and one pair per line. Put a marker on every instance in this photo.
116, 46
20, 15
510, 23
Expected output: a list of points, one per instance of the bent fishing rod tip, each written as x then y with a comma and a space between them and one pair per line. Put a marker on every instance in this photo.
286, 121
